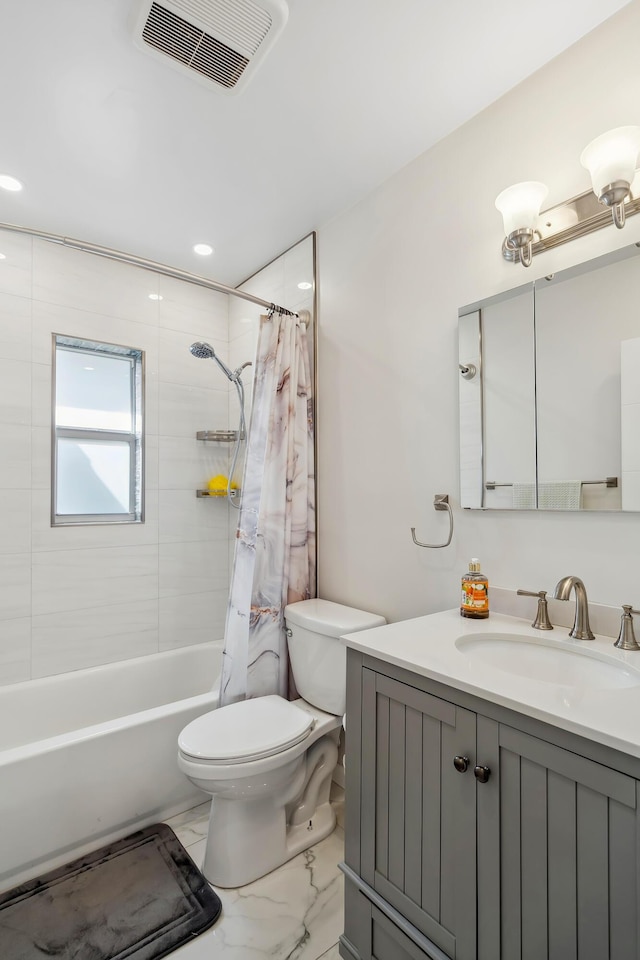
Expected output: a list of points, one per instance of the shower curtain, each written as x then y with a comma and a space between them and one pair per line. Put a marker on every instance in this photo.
274, 560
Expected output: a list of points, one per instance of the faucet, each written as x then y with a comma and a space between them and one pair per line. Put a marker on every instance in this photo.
580, 629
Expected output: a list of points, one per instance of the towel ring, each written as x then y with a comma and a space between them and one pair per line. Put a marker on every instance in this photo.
440, 502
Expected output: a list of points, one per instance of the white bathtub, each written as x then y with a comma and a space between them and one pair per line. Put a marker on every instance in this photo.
90, 756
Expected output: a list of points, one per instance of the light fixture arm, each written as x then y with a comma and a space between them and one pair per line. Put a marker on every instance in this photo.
577, 217
611, 160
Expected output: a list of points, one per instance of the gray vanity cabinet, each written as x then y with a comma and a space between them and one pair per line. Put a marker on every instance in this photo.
418, 834
535, 857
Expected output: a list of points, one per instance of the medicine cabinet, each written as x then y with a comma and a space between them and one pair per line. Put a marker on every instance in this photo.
549, 390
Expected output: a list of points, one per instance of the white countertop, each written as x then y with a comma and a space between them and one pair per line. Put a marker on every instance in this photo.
595, 707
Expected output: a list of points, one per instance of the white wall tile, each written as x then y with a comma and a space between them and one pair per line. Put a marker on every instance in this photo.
15, 650
151, 465
190, 308
186, 464
15, 326
15, 391
68, 320
15, 462
15, 521
15, 269
41, 401
41, 458
76, 639
185, 409
185, 517
44, 537
15, 586
199, 566
193, 618
87, 578
178, 365
268, 283
243, 315
89, 282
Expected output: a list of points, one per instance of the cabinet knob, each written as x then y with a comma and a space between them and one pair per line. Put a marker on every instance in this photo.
461, 764
481, 774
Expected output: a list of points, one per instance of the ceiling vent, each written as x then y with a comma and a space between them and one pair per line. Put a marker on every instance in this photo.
218, 42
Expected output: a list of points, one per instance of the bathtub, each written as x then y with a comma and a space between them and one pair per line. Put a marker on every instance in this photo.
88, 757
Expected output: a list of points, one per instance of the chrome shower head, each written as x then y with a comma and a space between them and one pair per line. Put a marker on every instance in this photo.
204, 351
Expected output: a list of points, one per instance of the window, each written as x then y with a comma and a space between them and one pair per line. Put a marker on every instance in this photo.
97, 427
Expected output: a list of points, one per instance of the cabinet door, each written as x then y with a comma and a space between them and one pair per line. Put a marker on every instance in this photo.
564, 885
418, 813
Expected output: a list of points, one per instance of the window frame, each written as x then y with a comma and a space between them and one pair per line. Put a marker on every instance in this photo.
134, 438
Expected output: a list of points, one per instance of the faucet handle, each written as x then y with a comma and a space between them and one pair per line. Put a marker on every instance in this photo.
627, 638
541, 621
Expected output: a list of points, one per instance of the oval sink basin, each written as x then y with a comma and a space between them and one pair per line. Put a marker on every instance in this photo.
547, 661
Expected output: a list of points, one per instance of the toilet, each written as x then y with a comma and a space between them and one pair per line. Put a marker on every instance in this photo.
267, 763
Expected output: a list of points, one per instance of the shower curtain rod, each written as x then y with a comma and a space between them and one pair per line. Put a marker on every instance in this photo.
151, 265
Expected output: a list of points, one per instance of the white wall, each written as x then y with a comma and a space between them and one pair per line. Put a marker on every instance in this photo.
74, 597
393, 272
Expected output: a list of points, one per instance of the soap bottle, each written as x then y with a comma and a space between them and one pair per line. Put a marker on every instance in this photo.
475, 593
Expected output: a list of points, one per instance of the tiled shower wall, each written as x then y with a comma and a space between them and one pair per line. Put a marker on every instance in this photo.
81, 596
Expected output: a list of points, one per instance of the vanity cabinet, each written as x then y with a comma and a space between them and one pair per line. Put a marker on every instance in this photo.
475, 833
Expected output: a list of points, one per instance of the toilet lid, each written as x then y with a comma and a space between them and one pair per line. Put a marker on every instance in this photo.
245, 731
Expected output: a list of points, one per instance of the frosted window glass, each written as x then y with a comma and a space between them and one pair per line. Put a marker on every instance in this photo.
93, 477
93, 391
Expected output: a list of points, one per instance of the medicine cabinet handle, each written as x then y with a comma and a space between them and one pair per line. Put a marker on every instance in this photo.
440, 502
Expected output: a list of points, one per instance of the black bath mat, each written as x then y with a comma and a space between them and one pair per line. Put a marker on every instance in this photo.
136, 899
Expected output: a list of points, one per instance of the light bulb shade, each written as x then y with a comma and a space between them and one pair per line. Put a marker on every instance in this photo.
612, 157
520, 205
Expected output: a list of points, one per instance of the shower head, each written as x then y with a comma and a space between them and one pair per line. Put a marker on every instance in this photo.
204, 351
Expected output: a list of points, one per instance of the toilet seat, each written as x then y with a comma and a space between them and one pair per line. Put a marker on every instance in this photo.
245, 731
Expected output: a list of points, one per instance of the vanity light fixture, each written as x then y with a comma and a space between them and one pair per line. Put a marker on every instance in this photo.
520, 208
611, 160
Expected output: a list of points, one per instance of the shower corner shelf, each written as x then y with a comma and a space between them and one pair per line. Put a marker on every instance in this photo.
218, 436
217, 495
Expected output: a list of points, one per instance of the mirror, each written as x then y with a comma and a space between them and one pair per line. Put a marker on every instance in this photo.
550, 406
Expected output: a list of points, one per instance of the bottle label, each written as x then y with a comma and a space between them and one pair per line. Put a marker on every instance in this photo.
475, 596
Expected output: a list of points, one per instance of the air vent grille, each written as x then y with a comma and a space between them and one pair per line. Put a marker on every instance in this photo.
212, 40
182, 41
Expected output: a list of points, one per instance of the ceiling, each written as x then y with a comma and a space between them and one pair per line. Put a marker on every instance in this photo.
117, 148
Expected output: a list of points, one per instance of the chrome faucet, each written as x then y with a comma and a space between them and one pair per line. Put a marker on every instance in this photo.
580, 629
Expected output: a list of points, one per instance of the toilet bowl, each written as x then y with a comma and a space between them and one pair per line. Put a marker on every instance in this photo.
267, 763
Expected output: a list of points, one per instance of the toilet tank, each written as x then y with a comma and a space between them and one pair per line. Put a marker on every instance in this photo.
318, 658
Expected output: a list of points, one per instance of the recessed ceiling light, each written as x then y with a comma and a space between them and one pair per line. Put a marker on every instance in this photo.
202, 249
9, 183
305, 285
3, 256
89, 368
156, 296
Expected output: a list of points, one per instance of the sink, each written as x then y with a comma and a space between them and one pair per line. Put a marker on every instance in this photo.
548, 661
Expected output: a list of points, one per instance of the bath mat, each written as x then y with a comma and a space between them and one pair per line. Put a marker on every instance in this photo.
135, 899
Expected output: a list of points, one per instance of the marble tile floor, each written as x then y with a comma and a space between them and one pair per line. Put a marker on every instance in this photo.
294, 913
